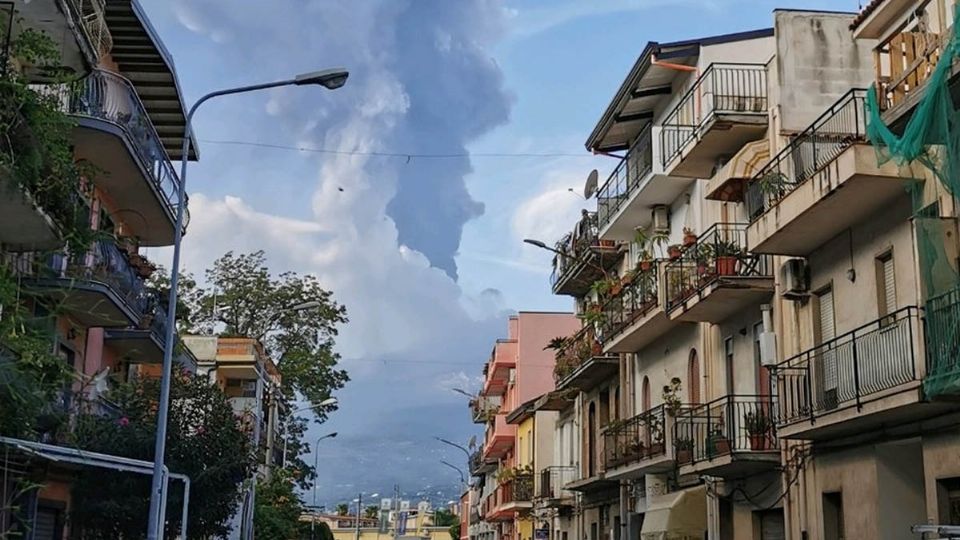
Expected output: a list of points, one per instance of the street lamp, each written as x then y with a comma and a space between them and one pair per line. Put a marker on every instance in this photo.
330, 79
541, 245
463, 480
455, 445
316, 463
324, 403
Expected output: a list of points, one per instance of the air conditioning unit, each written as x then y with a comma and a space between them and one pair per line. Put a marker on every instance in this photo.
795, 279
661, 218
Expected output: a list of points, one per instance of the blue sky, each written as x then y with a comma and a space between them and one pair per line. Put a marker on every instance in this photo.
425, 253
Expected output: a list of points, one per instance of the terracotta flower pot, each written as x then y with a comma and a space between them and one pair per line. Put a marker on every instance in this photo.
684, 456
689, 239
758, 441
645, 266
674, 252
726, 266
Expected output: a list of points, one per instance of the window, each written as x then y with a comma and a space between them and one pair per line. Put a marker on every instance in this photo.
241, 388
693, 376
728, 363
645, 394
826, 330
833, 516
763, 373
886, 285
948, 501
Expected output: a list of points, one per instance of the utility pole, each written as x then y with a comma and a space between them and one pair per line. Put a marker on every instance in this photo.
396, 524
357, 522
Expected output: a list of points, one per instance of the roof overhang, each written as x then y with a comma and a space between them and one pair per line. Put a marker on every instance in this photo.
142, 58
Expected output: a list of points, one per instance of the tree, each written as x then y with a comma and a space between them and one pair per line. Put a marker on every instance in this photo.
444, 518
205, 441
455, 531
278, 508
371, 512
343, 509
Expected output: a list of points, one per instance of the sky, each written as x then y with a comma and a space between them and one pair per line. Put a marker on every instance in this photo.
424, 249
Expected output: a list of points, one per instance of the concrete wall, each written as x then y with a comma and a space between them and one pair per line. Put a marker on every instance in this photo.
543, 432
666, 358
817, 62
940, 461
739, 327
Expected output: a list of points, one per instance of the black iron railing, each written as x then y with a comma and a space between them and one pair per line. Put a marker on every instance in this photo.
108, 96
552, 480
943, 343
517, 489
840, 126
625, 178
637, 298
105, 263
874, 357
721, 89
727, 425
719, 253
577, 248
636, 439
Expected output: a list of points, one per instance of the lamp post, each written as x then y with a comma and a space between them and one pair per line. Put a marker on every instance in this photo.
455, 445
316, 463
330, 79
542, 245
324, 403
463, 480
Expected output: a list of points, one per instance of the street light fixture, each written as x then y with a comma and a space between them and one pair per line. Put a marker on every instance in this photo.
331, 79
542, 245
455, 445
463, 480
316, 463
324, 403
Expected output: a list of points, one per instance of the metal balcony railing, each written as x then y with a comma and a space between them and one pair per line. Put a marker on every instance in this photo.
721, 89
106, 264
875, 357
839, 127
636, 299
576, 247
552, 480
625, 178
719, 253
91, 14
942, 331
636, 439
517, 489
730, 424
108, 96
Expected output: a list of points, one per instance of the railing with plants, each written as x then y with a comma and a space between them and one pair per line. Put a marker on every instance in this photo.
484, 407
572, 352
636, 296
107, 264
872, 358
553, 479
625, 178
576, 248
942, 330
515, 484
636, 439
721, 89
724, 426
839, 127
108, 96
719, 253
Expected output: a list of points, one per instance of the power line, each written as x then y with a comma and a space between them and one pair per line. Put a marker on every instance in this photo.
407, 156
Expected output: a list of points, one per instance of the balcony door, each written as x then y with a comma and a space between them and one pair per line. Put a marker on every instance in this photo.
591, 439
826, 331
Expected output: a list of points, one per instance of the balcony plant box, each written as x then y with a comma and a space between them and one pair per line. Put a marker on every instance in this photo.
726, 257
684, 448
758, 426
674, 252
717, 444
689, 237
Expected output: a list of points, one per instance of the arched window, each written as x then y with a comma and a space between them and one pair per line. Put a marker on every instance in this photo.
693, 377
645, 394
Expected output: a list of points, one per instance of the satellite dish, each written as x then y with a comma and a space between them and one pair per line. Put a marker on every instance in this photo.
473, 442
591, 186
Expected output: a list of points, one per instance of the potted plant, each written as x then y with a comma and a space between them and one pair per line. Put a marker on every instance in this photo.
671, 396
674, 251
684, 449
717, 442
758, 427
656, 439
726, 255
689, 237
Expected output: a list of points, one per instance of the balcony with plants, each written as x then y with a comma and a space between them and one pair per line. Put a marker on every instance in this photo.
551, 492
860, 380
824, 181
582, 258
731, 437
714, 275
503, 359
482, 408
725, 108
144, 342
579, 361
513, 494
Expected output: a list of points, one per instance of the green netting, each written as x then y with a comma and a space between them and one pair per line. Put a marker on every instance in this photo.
931, 139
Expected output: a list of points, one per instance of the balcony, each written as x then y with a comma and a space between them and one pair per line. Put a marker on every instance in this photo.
640, 445
503, 360
512, 497
942, 331
855, 383
98, 289
634, 317
499, 437
731, 437
551, 490
79, 28
717, 276
632, 189
581, 365
823, 182
31, 219
483, 408
145, 342
583, 259
479, 465
115, 135
725, 109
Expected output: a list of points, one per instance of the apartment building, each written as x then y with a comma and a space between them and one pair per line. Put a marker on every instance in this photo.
518, 438
108, 324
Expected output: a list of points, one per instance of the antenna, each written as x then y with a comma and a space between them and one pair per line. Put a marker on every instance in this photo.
591, 186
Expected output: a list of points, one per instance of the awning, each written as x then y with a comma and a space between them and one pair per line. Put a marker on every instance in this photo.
680, 515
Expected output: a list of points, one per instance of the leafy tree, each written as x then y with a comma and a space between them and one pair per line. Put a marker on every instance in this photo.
343, 509
371, 512
455, 531
277, 511
444, 518
205, 441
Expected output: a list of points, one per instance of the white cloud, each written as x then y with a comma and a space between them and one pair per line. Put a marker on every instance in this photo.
551, 213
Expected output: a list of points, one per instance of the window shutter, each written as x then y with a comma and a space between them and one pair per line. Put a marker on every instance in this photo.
889, 286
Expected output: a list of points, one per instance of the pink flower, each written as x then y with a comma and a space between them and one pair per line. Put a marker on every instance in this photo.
123, 421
